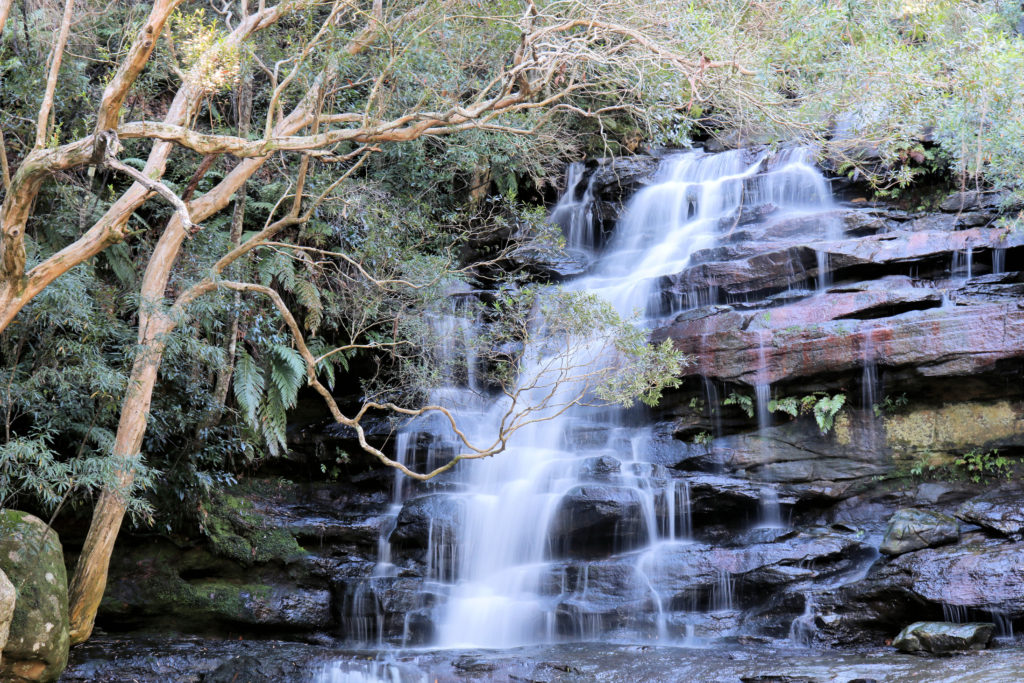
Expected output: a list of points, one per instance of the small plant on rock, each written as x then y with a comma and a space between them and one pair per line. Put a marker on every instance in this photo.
979, 466
741, 401
889, 405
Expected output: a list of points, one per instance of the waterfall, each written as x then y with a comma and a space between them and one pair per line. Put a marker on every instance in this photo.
574, 211
519, 566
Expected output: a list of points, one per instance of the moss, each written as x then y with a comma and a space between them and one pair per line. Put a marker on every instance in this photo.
33, 560
844, 435
238, 531
158, 589
958, 426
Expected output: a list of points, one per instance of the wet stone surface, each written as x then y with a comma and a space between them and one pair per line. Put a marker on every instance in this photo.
169, 660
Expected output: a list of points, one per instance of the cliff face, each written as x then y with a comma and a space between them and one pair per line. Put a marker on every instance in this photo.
914, 319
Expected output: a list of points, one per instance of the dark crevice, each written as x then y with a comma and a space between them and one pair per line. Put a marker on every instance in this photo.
890, 310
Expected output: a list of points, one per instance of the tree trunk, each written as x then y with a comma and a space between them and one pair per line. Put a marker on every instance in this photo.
90, 578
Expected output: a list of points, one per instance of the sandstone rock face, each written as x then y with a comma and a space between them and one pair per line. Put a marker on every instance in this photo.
938, 341
911, 529
943, 637
32, 558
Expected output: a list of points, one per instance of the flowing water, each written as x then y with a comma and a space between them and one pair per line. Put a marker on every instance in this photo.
512, 560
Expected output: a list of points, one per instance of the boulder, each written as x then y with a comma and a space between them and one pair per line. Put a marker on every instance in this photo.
912, 529
999, 511
623, 176
7, 598
941, 637
32, 558
597, 519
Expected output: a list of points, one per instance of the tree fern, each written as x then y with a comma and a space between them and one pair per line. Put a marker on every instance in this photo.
287, 370
248, 386
308, 296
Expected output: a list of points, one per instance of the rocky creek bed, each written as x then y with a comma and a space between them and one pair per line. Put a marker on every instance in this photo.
194, 660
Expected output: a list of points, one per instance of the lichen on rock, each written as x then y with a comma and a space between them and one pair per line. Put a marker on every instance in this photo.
32, 558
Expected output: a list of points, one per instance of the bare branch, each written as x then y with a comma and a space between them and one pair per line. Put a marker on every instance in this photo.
43, 121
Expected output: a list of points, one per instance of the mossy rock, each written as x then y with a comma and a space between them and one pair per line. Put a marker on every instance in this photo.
194, 589
32, 558
237, 531
7, 599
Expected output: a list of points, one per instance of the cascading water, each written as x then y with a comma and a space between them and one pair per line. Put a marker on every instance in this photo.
575, 210
518, 564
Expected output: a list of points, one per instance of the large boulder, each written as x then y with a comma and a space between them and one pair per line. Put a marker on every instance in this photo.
940, 637
7, 599
999, 511
912, 529
32, 558
976, 574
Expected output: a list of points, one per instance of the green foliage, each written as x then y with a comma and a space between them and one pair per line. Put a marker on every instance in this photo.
823, 406
703, 439
742, 401
575, 340
890, 405
979, 466
789, 405
825, 410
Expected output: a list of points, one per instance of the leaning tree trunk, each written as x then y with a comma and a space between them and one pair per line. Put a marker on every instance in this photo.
90, 578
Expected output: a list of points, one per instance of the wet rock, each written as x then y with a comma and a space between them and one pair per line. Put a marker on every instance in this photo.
935, 222
549, 262
1000, 511
7, 597
911, 529
977, 573
946, 341
798, 460
623, 176
395, 609
32, 558
701, 576
160, 584
433, 516
600, 468
973, 199
252, 669
719, 496
940, 637
596, 519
